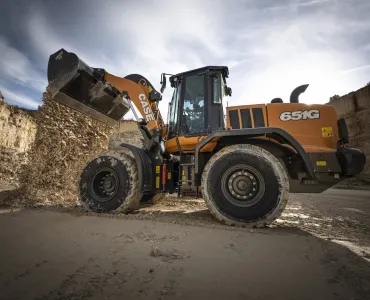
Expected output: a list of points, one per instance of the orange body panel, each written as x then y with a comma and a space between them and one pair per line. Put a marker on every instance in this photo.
188, 143
315, 135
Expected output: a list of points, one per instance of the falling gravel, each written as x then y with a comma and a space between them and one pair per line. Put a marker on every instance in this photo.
65, 141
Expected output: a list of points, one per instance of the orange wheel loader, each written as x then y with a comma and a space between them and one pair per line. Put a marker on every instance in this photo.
243, 162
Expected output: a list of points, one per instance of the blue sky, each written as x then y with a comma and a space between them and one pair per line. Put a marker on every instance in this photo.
270, 46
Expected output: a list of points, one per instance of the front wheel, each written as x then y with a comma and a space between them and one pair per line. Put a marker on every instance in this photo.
245, 185
110, 183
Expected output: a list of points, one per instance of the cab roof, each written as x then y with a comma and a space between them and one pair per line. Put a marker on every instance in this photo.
223, 69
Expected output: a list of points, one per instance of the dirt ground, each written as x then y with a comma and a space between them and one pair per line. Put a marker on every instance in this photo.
319, 249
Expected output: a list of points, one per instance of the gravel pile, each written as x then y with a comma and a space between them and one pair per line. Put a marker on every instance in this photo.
65, 141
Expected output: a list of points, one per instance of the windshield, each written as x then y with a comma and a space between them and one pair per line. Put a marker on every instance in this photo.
193, 110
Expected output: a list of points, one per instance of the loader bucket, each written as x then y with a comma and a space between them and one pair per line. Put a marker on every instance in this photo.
80, 87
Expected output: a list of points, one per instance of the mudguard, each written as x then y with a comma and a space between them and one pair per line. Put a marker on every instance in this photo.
144, 167
271, 132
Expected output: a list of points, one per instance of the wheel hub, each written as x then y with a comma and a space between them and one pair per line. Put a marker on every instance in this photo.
243, 185
105, 184
108, 183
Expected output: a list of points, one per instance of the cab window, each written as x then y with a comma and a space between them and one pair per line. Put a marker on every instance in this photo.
193, 114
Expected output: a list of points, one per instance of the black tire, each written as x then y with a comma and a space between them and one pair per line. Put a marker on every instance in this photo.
123, 195
245, 185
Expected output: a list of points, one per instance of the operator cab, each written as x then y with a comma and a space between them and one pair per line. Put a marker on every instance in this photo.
196, 107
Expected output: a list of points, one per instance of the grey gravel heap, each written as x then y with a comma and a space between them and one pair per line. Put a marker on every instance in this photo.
65, 141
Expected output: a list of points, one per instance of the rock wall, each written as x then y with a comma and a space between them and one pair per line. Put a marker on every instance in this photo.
355, 108
17, 133
128, 133
17, 128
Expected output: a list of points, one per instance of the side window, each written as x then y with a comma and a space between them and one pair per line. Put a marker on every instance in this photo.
193, 115
217, 85
174, 109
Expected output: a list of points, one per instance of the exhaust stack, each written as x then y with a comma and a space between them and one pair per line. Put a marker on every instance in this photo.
294, 96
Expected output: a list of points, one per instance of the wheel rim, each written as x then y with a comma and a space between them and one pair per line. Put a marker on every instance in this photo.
105, 184
243, 185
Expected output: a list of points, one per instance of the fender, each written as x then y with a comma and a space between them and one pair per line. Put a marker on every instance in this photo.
270, 132
144, 167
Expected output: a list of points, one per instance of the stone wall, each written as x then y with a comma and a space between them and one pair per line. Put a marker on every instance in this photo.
127, 132
17, 128
17, 133
355, 108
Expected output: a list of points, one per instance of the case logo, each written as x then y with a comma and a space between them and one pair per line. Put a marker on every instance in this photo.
300, 115
146, 108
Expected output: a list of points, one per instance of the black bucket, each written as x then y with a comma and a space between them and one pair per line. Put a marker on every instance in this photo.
80, 87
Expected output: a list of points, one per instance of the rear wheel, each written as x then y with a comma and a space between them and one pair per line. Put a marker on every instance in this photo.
245, 185
110, 183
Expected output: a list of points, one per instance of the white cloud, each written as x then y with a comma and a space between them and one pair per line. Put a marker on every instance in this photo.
270, 50
19, 99
360, 68
151, 34
287, 52
15, 66
296, 4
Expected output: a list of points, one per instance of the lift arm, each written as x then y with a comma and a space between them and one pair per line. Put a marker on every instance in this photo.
142, 94
99, 94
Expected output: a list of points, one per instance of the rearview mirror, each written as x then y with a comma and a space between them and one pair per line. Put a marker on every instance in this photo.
163, 82
228, 91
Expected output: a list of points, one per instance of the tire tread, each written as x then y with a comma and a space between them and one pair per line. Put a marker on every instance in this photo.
280, 174
132, 201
